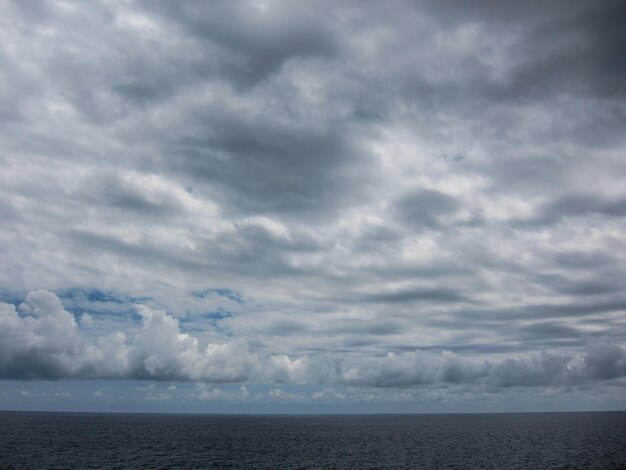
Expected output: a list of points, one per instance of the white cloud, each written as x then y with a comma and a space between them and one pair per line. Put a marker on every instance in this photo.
43, 341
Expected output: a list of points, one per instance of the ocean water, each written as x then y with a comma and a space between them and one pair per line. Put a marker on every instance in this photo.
499, 441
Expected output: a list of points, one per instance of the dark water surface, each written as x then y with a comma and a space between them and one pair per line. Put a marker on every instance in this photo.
502, 441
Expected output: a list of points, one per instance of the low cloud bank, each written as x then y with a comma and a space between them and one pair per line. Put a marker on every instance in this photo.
39, 339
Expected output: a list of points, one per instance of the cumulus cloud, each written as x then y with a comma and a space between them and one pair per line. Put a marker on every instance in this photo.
40, 339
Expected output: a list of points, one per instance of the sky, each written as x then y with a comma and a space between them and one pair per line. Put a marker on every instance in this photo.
295, 206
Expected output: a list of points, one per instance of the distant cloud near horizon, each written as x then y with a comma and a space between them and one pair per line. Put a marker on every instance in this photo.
41, 340
323, 198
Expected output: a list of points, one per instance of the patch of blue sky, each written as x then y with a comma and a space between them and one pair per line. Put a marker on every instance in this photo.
227, 293
200, 322
97, 295
217, 315
78, 301
11, 297
97, 302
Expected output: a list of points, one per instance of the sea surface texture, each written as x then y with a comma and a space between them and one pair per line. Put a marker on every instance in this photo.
534, 440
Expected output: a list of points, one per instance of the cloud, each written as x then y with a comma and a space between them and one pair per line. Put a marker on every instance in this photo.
424, 207
307, 187
255, 40
414, 295
42, 340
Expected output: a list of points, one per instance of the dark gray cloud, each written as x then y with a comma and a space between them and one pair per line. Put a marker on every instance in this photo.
367, 179
423, 208
268, 167
255, 44
580, 205
571, 47
416, 295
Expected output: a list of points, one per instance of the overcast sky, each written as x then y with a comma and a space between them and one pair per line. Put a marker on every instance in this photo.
312, 206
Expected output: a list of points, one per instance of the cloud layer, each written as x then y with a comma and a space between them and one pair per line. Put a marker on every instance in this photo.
336, 192
41, 340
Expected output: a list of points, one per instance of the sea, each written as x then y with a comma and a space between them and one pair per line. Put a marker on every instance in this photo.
459, 441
